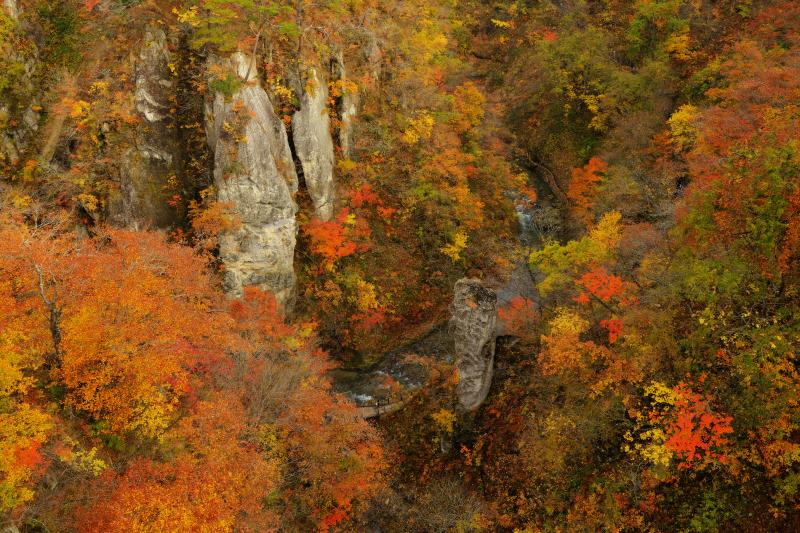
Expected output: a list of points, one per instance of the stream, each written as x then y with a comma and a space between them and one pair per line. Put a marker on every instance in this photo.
392, 379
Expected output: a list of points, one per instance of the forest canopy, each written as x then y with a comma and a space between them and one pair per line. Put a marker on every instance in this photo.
361, 265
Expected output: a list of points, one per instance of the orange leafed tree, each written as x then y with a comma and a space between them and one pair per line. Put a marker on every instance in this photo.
604, 287
217, 481
519, 317
25, 345
614, 327
134, 300
330, 456
119, 322
229, 405
582, 190
696, 433
268, 446
338, 238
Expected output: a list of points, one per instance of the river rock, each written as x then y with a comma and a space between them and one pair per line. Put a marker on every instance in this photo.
474, 327
254, 174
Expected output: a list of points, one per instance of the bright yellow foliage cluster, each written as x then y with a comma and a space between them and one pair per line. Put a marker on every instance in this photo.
453, 250
445, 419
419, 128
650, 444
683, 127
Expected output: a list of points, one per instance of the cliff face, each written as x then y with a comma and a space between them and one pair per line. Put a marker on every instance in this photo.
474, 326
148, 165
11, 8
348, 110
254, 174
313, 144
348, 107
19, 120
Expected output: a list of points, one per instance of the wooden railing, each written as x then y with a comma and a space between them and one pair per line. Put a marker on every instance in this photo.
383, 406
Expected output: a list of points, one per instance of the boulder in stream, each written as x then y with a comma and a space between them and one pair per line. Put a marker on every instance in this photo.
474, 326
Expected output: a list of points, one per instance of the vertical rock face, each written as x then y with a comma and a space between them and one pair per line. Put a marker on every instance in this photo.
348, 108
474, 323
21, 110
313, 144
372, 55
13, 142
11, 8
254, 174
147, 167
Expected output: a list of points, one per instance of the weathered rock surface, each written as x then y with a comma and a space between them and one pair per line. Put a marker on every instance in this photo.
348, 107
148, 165
12, 9
348, 111
372, 55
474, 325
311, 133
14, 140
254, 173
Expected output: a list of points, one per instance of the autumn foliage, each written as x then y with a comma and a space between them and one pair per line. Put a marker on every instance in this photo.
639, 158
225, 432
334, 239
583, 188
518, 316
696, 433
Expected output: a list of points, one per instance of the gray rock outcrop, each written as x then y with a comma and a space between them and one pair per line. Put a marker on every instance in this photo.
474, 326
372, 55
147, 166
12, 9
19, 120
254, 174
348, 107
14, 141
311, 133
348, 111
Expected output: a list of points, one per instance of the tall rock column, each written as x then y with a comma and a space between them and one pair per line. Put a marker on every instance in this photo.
311, 133
348, 106
474, 324
11, 8
147, 166
254, 174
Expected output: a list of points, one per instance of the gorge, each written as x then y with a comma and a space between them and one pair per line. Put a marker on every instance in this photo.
399, 266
